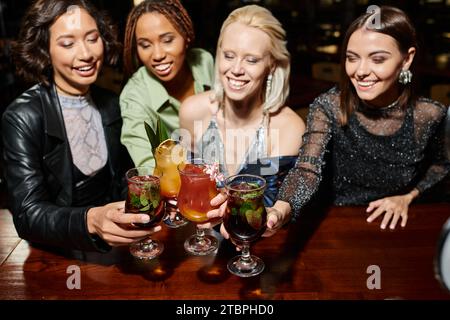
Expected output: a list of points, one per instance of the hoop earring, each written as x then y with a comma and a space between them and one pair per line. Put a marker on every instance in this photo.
405, 77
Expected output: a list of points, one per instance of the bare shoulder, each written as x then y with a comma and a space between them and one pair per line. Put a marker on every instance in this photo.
287, 120
196, 107
289, 129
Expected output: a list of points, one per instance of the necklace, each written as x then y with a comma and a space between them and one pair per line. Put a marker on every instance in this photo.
391, 106
364, 107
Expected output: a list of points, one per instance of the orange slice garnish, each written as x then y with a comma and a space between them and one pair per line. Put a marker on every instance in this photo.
172, 148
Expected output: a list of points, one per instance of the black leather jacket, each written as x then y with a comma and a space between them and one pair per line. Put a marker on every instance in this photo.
38, 167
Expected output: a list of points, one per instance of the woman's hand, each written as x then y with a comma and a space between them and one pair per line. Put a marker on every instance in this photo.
275, 220
394, 208
215, 216
277, 216
114, 226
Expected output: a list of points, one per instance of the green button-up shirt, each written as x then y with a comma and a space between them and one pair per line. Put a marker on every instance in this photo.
144, 98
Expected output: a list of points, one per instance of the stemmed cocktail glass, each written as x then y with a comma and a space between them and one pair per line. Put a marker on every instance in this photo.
245, 221
144, 198
168, 156
197, 190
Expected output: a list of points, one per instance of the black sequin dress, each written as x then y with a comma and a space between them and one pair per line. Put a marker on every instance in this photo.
381, 152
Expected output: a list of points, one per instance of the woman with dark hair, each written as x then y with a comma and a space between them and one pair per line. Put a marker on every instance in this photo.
63, 159
164, 71
386, 147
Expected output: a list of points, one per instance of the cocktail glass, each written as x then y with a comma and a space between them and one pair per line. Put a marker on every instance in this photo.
245, 221
168, 156
144, 198
197, 190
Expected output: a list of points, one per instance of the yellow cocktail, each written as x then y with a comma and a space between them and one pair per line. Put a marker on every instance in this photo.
168, 156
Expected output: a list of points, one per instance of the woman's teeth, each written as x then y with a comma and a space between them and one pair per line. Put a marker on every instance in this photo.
236, 84
162, 67
366, 84
85, 68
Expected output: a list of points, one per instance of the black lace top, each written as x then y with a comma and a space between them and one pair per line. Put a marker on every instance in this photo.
381, 152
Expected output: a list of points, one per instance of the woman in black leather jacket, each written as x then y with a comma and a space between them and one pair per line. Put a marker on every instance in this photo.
64, 162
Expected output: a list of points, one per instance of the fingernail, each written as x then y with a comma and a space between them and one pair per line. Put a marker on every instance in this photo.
383, 226
369, 220
145, 218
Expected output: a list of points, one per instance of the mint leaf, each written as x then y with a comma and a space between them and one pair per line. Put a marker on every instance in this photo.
251, 195
135, 200
247, 206
253, 185
143, 200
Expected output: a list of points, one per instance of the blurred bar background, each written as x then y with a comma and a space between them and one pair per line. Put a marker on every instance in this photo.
314, 29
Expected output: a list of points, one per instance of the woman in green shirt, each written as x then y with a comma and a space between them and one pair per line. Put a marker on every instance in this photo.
162, 69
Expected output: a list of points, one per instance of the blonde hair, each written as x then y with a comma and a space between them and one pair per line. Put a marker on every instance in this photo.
262, 19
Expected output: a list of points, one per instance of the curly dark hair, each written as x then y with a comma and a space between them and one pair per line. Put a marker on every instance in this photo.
173, 10
31, 50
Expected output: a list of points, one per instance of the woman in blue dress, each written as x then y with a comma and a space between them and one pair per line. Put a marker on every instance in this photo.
243, 124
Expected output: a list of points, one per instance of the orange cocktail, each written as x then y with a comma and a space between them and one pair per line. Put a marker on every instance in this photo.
197, 190
168, 156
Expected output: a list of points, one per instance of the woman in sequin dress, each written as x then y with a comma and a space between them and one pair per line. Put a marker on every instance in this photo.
385, 146
243, 124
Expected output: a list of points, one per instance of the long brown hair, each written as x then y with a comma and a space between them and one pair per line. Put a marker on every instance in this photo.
31, 51
173, 10
392, 22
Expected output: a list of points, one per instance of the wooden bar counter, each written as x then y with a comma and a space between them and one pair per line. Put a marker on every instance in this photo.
328, 254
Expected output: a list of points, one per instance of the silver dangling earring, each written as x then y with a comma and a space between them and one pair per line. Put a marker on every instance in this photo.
405, 77
268, 85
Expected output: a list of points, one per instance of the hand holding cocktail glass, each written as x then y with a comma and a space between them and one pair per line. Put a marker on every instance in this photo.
111, 223
245, 220
276, 217
144, 197
198, 187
